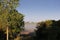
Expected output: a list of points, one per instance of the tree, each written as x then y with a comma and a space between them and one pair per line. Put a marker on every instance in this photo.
8, 4
41, 32
13, 20
10, 19
48, 30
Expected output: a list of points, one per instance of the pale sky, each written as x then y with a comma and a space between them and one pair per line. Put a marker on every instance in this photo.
39, 10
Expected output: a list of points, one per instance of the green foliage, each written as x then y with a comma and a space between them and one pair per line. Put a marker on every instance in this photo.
10, 17
13, 20
48, 30
17, 21
9, 4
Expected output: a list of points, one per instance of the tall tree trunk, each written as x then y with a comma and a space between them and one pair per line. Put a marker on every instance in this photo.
7, 33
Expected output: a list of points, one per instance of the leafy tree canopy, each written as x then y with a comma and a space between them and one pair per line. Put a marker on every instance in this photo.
48, 30
10, 17
9, 4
